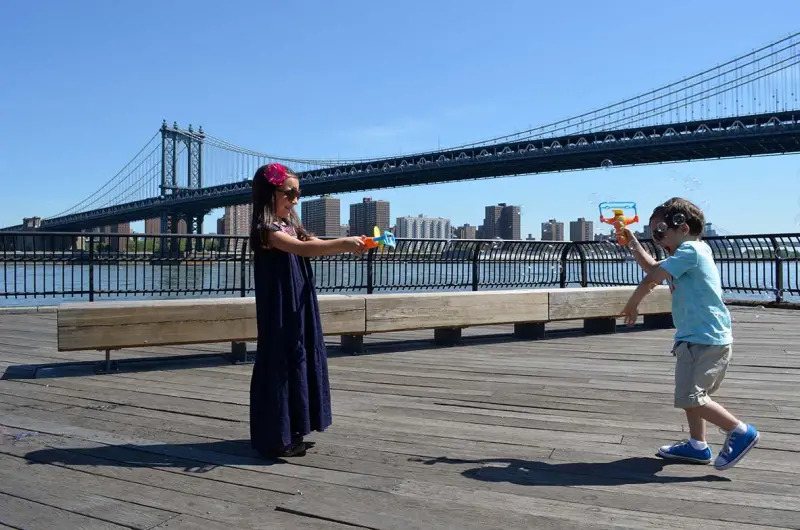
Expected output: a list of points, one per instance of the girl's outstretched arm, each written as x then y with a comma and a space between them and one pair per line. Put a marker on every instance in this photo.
316, 247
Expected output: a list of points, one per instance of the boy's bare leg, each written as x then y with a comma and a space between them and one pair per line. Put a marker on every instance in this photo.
712, 412
697, 425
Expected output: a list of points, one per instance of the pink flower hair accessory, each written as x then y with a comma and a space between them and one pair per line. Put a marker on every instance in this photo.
276, 174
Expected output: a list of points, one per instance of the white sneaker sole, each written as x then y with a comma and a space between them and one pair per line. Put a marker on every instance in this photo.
670, 456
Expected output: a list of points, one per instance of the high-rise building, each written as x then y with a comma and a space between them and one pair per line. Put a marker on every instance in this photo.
552, 230
709, 230
367, 214
423, 227
237, 219
508, 226
502, 221
467, 231
153, 226
221, 225
490, 219
344, 230
581, 230
321, 216
115, 243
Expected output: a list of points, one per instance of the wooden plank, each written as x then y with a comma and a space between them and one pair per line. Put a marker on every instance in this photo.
596, 302
159, 322
560, 432
391, 312
22, 513
59, 488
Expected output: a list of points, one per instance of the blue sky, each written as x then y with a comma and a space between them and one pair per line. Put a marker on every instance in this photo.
86, 83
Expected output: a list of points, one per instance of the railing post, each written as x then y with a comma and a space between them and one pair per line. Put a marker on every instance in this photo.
563, 263
584, 270
778, 271
243, 270
475, 255
370, 264
91, 268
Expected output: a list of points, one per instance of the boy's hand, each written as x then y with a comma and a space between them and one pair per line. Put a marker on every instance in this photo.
631, 313
629, 235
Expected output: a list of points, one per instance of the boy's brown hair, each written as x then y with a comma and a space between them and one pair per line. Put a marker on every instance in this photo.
691, 213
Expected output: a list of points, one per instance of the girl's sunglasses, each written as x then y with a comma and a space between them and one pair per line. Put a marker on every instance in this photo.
291, 193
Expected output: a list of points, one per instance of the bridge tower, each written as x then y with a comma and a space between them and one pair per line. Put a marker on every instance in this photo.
173, 141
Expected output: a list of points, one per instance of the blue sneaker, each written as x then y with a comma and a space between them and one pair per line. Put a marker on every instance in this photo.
684, 451
736, 446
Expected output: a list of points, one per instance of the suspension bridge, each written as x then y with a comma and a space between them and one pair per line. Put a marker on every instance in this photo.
747, 106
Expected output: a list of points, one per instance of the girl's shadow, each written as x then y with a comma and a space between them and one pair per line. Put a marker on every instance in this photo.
638, 470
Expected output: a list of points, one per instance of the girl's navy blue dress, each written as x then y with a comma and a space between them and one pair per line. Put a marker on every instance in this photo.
289, 391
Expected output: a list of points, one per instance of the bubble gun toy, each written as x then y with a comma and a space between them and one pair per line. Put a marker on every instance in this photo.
619, 220
378, 240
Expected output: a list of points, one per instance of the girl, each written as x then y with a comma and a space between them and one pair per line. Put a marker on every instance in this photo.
289, 390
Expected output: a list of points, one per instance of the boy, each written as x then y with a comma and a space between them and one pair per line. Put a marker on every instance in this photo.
703, 331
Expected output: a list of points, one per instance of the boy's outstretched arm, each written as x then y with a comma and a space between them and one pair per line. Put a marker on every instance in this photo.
656, 275
642, 257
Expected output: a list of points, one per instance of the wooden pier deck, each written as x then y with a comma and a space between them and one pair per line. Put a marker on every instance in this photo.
493, 433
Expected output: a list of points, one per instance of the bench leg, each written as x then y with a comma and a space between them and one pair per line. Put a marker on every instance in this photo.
446, 336
238, 352
529, 330
105, 366
662, 321
352, 344
600, 325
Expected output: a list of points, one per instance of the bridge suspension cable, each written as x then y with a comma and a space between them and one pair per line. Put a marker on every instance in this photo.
763, 81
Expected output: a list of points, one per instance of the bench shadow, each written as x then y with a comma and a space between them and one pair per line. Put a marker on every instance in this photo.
373, 346
636, 470
141, 364
383, 346
190, 457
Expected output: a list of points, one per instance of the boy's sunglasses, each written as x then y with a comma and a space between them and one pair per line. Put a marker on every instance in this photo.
291, 193
661, 228
660, 231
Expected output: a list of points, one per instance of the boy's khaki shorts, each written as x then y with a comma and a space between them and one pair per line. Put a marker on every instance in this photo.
699, 370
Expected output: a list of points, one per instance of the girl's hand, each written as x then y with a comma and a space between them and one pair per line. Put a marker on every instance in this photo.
354, 244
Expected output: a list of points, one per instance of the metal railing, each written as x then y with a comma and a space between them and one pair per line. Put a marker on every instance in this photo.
91, 266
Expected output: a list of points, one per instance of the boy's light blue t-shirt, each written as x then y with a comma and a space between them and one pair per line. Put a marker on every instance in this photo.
699, 314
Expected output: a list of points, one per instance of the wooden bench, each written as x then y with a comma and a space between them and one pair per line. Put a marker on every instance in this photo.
529, 310
107, 326
110, 326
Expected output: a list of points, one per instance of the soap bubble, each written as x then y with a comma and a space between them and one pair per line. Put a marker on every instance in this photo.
606, 164
692, 184
594, 199
497, 244
797, 219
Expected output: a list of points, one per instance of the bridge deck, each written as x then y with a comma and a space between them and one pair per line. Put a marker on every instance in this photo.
494, 433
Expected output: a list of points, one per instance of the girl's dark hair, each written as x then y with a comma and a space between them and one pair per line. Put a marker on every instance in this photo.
264, 211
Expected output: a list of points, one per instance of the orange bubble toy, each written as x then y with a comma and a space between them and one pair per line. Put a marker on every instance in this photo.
378, 240
618, 219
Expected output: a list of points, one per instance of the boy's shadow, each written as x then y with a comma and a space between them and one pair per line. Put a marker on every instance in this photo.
534, 473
